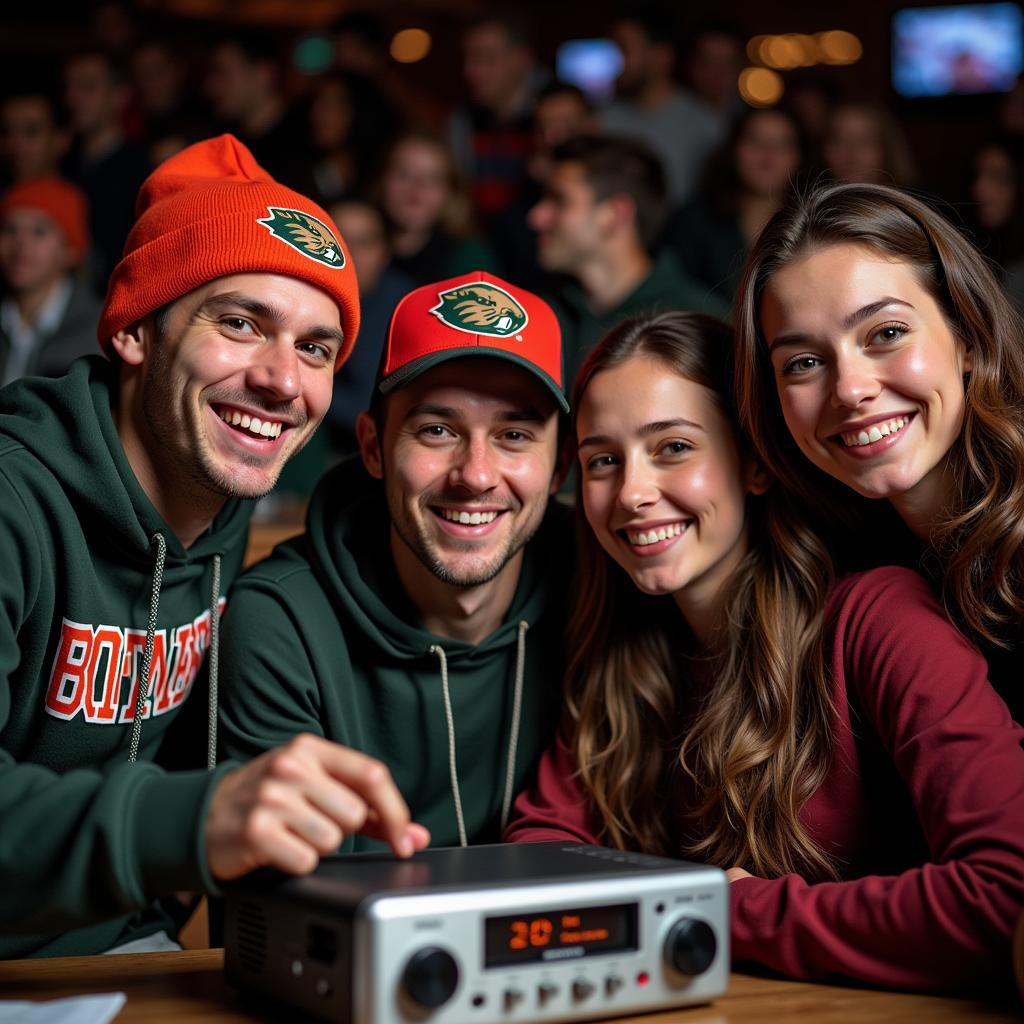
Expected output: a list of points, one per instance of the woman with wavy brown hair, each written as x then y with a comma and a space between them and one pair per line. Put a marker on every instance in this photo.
730, 700
878, 353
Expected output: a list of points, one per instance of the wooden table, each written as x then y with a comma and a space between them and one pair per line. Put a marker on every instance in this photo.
190, 986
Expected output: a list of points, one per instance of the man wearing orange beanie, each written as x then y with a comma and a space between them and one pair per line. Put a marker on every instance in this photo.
120, 529
48, 313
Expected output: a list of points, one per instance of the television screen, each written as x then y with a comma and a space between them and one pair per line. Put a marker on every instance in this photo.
969, 48
592, 65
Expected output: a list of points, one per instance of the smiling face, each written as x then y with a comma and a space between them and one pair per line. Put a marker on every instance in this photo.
869, 373
664, 484
231, 386
468, 458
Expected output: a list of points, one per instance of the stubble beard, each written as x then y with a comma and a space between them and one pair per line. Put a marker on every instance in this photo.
197, 464
417, 540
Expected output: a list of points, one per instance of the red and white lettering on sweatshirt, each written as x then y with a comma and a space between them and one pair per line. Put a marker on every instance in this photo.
97, 669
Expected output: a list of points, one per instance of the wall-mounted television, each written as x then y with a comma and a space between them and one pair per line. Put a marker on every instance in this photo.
957, 50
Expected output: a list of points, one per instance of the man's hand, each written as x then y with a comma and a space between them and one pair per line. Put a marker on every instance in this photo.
291, 805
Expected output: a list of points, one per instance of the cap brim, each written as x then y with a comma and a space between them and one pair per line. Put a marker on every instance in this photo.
414, 368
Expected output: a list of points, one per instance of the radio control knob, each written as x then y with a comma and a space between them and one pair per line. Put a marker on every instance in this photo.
582, 989
691, 946
431, 977
546, 990
513, 997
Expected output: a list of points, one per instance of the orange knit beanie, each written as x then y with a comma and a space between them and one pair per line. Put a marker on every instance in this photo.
61, 201
210, 211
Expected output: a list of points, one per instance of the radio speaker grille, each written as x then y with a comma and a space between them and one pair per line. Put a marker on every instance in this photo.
252, 937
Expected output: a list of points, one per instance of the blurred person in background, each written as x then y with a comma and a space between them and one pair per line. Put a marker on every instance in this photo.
381, 286
244, 86
348, 141
361, 51
651, 107
712, 62
48, 314
812, 98
603, 207
562, 112
104, 164
429, 211
492, 136
996, 216
744, 184
32, 140
171, 118
863, 143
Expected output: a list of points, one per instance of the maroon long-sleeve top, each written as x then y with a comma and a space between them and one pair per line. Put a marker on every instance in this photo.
922, 810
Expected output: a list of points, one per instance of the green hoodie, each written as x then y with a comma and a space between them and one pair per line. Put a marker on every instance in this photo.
321, 638
87, 837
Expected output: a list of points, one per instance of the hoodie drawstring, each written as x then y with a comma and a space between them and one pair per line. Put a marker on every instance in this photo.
147, 655
513, 736
211, 725
513, 739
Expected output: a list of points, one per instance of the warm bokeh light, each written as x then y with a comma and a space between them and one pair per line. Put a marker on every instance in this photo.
760, 87
798, 50
838, 47
410, 45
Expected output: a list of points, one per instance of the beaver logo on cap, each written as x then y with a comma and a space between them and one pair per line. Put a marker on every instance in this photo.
479, 308
305, 234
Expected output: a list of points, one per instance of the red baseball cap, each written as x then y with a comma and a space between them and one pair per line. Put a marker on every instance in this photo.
475, 314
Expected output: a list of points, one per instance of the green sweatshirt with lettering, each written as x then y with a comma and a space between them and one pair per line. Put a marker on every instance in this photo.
321, 638
88, 840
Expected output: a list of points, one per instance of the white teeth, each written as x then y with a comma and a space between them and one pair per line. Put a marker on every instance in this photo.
468, 518
874, 433
262, 428
652, 537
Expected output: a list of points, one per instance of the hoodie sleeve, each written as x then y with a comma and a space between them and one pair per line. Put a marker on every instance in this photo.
82, 846
923, 691
268, 685
555, 808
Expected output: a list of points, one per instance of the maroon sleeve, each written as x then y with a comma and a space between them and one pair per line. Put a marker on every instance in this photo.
923, 689
556, 808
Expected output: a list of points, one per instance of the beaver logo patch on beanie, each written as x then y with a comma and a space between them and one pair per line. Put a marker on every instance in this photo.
304, 233
479, 308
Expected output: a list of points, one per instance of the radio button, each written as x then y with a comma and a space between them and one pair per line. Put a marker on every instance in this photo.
691, 946
582, 989
546, 990
612, 984
431, 977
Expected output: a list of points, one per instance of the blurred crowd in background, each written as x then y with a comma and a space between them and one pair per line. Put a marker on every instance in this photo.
648, 201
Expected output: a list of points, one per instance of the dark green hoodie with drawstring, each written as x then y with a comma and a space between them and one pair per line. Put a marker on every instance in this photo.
320, 637
87, 839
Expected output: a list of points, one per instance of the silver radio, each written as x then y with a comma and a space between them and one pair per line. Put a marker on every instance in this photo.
529, 932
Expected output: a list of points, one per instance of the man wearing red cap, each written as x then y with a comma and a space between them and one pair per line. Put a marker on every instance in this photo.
419, 619
120, 530
48, 314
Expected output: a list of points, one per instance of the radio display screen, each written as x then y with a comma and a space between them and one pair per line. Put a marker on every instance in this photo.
559, 934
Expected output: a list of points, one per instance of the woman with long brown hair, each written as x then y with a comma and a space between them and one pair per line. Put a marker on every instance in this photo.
878, 353
730, 700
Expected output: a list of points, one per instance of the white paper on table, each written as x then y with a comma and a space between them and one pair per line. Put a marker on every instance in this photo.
97, 1009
